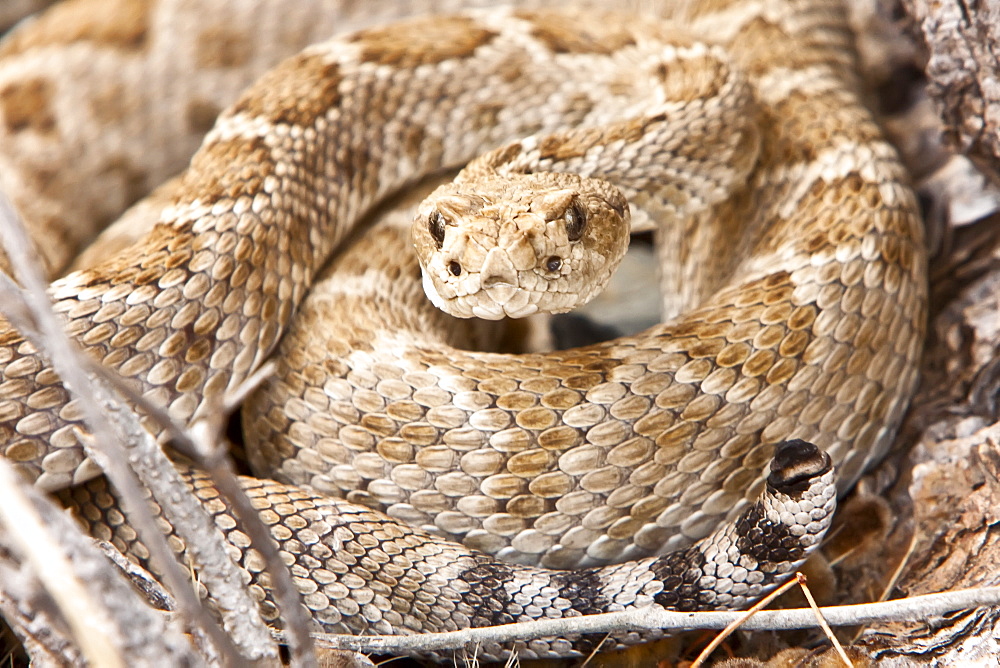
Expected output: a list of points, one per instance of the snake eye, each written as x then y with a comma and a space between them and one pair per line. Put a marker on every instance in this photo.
435, 225
455, 268
553, 263
575, 218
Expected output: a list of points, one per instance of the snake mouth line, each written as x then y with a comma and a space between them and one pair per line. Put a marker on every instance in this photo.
501, 293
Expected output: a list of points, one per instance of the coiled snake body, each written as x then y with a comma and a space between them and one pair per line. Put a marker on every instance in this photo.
796, 282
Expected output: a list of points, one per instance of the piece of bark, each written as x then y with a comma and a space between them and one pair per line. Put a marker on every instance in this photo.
963, 68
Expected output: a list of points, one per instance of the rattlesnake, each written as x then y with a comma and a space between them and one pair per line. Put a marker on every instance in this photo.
796, 283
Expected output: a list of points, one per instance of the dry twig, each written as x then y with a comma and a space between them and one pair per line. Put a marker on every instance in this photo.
203, 443
45, 556
652, 618
114, 425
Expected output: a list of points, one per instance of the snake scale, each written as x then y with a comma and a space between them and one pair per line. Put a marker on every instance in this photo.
794, 278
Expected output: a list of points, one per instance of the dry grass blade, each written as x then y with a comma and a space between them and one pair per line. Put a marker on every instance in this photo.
125, 450
203, 444
594, 652
801, 579
109, 623
736, 623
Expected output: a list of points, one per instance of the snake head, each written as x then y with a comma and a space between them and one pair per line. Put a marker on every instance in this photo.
517, 244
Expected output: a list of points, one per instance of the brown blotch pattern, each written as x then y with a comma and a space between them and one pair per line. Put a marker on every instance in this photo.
248, 162
485, 115
764, 45
423, 41
693, 77
109, 105
586, 33
556, 147
28, 106
121, 24
221, 47
306, 79
413, 138
803, 124
564, 146
44, 180
709, 7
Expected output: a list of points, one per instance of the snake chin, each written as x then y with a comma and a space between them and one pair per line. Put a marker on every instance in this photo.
505, 301
498, 302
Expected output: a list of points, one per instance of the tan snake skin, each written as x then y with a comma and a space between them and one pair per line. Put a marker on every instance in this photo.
795, 253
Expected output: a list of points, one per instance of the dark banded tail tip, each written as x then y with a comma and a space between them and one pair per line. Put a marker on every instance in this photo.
796, 464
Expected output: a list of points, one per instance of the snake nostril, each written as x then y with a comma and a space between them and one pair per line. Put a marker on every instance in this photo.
455, 268
553, 263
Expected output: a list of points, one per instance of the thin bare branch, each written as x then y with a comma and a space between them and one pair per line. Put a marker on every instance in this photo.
203, 443
110, 623
297, 622
33, 616
234, 399
115, 425
141, 579
914, 607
